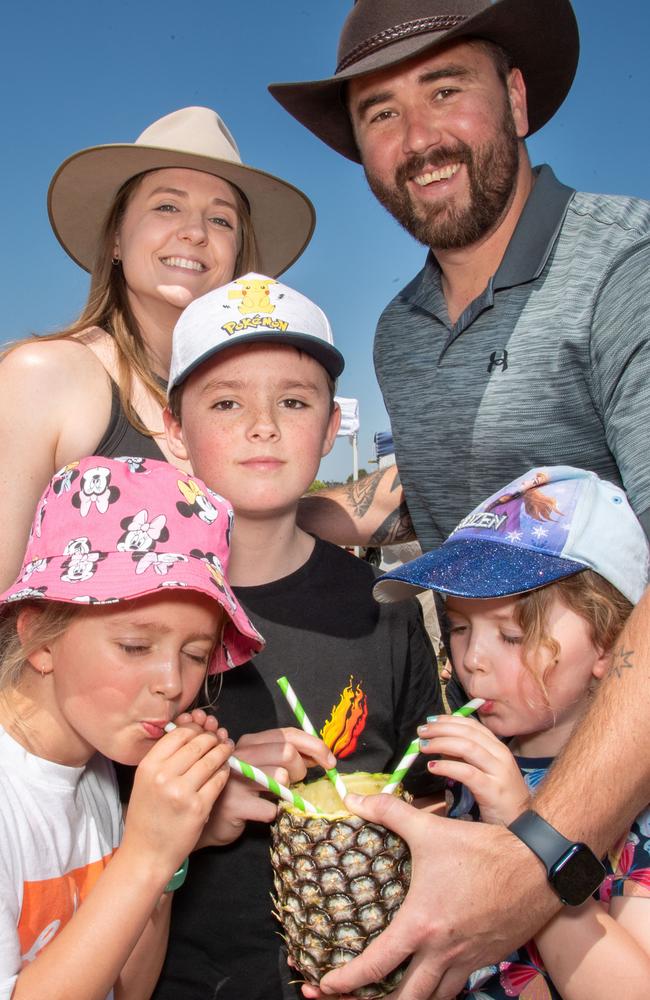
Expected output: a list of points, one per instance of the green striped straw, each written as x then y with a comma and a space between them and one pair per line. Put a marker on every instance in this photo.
413, 749
305, 724
254, 774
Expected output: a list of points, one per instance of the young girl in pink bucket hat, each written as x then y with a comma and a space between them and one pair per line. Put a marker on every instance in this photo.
120, 611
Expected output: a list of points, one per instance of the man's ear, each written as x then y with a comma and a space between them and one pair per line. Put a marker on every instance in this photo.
518, 102
39, 659
174, 435
333, 425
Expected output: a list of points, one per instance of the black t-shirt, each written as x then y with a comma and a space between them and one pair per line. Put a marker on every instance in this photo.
367, 671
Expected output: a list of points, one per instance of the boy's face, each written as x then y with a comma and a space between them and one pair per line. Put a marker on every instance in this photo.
256, 421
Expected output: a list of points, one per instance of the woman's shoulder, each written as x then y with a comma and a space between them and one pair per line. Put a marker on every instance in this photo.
53, 362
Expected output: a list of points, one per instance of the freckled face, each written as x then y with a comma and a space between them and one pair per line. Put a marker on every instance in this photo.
486, 649
121, 672
179, 238
438, 138
256, 421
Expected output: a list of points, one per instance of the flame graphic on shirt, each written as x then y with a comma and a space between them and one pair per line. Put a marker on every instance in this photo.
342, 730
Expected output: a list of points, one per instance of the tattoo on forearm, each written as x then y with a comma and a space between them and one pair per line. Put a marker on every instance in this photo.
621, 660
360, 495
397, 528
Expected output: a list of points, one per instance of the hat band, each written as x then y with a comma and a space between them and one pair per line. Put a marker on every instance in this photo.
421, 26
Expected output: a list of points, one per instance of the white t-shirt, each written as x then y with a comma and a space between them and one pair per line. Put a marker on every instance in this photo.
59, 827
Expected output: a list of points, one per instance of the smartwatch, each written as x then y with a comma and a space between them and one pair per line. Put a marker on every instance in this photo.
573, 869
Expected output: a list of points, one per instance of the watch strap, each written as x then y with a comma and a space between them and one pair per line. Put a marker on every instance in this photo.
542, 838
178, 877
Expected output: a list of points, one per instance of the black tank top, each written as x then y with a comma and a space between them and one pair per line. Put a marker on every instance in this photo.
122, 438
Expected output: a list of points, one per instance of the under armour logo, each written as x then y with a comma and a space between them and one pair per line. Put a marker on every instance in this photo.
498, 359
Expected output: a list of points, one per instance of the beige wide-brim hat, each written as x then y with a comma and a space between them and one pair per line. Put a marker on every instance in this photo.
540, 36
84, 187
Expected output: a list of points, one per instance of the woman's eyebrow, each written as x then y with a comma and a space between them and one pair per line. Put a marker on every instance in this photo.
183, 194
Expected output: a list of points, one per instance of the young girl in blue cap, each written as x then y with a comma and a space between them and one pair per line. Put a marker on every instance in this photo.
538, 582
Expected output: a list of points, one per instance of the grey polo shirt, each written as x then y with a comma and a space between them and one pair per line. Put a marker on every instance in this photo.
550, 365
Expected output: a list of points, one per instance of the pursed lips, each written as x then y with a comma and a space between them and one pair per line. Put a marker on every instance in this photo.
154, 729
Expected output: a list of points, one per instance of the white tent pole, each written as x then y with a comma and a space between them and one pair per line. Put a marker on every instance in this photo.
355, 470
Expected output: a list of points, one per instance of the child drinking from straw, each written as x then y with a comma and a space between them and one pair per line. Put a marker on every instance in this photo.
252, 408
120, 611
534, 609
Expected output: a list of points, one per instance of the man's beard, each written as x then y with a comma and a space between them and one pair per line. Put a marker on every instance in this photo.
492, 173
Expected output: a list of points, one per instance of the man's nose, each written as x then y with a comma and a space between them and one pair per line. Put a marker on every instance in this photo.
420, 130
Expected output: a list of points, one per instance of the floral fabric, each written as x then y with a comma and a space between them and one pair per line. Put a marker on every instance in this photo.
523, 974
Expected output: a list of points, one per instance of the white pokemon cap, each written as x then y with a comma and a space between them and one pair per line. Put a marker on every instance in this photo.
251, 309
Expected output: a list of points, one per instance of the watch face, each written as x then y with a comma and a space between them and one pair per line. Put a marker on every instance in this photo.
576, 875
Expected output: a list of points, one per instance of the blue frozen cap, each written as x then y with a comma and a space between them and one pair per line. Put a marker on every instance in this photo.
550, 523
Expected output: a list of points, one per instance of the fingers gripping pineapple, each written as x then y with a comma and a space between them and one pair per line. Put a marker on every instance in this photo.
338, 879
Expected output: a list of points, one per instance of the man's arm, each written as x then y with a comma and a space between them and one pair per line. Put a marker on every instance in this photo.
371, 511
454, 919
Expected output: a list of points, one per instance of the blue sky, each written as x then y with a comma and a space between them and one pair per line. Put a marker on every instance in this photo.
77, 74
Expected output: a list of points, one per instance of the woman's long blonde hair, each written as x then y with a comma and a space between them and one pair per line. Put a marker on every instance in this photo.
108, 307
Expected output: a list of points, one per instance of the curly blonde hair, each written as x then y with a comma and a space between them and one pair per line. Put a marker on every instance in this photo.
587, 594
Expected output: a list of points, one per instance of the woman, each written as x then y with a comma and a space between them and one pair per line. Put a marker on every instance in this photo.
157, 223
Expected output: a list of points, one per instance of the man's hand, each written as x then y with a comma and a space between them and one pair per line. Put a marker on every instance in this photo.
476, 893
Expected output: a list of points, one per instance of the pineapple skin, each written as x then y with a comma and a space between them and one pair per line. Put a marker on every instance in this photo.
338, 882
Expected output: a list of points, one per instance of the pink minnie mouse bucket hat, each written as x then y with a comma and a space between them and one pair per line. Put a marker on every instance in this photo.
110, 530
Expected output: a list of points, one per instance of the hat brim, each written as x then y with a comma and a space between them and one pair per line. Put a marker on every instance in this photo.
240, 637
326, 354
84, 188
475, 568
541, 39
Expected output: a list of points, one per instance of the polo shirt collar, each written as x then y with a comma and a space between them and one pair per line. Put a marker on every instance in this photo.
529, 247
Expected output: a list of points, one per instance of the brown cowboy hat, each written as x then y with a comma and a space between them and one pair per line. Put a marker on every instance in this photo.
84, 187
540, 36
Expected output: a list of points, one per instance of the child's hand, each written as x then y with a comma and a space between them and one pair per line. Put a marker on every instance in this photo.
477, 758
299, 750
175, 787
284, 754
198, 717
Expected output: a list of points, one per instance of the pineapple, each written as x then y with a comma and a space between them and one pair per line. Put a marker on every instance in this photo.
338, 880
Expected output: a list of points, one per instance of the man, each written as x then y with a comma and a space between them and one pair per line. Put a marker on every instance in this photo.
523, 341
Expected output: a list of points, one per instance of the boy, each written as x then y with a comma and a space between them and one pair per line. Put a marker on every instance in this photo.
252, 407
